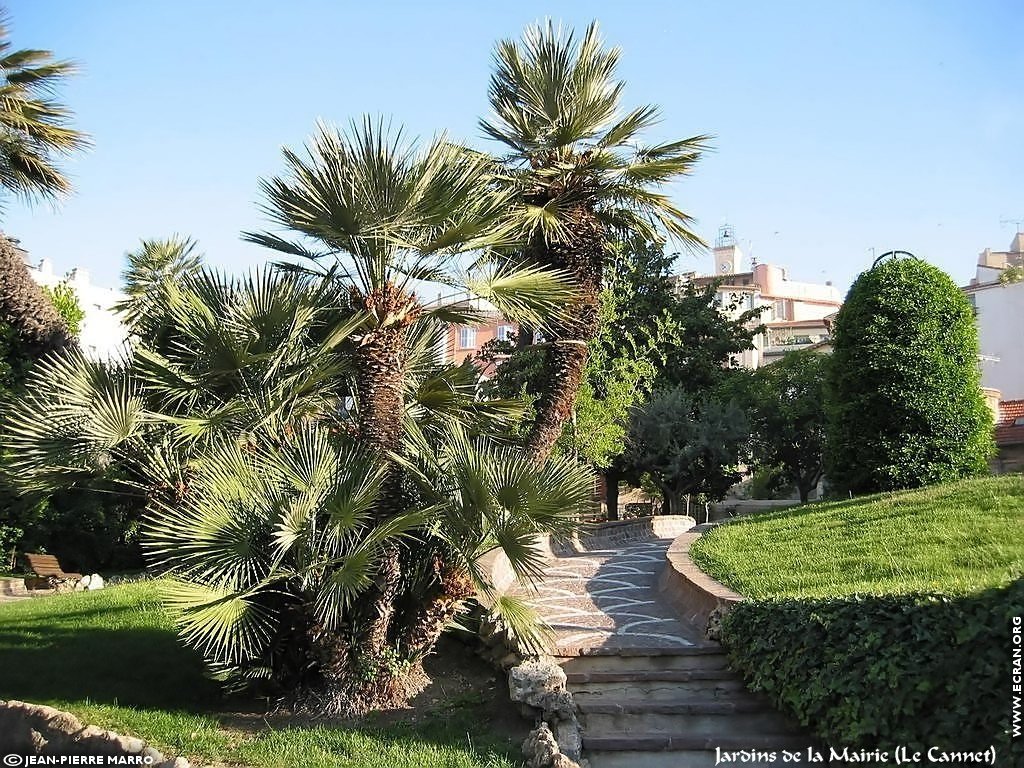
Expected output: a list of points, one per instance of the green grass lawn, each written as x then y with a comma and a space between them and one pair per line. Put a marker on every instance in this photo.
956, 538
112, 659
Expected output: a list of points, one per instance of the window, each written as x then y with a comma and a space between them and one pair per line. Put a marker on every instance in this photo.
467, 337
505, 332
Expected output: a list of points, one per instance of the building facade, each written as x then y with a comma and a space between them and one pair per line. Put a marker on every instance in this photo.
463, 341
102, 336
999, 308
796, 315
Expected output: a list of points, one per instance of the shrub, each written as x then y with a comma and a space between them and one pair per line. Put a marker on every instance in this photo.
920, 670
904, 401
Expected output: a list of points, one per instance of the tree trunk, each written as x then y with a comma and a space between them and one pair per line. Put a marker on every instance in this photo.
582, 256
611, 492
451, 588
380, 380
26, 307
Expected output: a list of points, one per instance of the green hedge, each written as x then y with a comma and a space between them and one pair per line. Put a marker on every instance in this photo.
880, 672
904, 404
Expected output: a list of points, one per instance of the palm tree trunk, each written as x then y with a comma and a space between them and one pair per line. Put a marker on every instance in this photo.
380, 367
25, 307
435, 611
582, 256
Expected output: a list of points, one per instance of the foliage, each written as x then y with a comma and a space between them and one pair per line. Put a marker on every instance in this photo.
1012, 274
581, 180
786, 407
265, 504
905, 406
112, 659
956, 538
65, 301
555, 105
688, 445
705, 334
767, 482
920, 670
34, 126
25, 308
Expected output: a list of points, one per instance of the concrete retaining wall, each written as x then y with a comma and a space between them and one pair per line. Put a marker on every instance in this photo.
694, 594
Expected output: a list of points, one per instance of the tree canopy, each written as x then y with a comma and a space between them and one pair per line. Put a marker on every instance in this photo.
904, 405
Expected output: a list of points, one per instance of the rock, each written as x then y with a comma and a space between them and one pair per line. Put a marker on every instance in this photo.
540, 684
714, 628
154, 755
38, 742
91, 582
542, 751
532, 681
540, 747
132, 746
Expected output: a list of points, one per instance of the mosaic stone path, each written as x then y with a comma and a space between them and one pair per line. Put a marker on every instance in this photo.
607, 599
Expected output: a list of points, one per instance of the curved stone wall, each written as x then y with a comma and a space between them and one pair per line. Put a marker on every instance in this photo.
694, 594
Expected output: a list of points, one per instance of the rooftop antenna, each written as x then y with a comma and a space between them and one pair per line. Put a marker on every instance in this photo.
1018, 223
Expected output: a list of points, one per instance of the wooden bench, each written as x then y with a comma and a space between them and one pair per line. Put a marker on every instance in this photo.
47, 567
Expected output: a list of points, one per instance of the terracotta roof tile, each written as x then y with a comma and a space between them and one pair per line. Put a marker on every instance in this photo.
1010, 411
1010, 427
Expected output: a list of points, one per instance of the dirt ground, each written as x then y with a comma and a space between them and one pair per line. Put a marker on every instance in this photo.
458, 679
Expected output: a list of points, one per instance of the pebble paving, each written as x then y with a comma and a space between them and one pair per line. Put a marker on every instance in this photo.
607, 599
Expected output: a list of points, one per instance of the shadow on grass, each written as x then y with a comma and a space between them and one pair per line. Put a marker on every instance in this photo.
135, 667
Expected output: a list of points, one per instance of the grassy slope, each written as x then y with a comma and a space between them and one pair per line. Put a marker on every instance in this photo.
956, 538
112, 659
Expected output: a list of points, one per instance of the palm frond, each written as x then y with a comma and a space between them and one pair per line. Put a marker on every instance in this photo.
523, 293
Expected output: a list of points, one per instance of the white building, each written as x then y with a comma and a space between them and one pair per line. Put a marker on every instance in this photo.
795, 314
1000, 312
102, 335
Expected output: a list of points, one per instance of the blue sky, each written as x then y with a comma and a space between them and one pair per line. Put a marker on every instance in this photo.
840, 127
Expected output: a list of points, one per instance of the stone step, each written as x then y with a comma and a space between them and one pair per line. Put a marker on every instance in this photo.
680, 660
658, 691
684, 742
585, 679
705, 724
681, 705
685, 758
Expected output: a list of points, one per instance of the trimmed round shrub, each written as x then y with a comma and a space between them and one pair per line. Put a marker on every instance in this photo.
904, 403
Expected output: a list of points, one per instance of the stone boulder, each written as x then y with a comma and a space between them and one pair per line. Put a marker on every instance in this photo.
540, 684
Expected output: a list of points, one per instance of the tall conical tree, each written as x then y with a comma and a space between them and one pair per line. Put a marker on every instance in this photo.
581, 179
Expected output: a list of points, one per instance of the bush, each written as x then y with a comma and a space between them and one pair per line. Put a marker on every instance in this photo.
904, 402
878, 672
87, 531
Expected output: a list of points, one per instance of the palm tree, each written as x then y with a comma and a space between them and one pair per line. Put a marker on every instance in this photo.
581, 180
383, 216
264, 504
378, 215
34, 131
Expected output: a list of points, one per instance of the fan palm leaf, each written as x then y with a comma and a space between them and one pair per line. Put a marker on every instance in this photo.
583, 179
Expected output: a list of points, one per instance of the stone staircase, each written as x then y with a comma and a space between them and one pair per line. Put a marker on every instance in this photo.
671, 708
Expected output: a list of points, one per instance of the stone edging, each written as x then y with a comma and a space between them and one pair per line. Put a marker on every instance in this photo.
31, 729
699, 599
